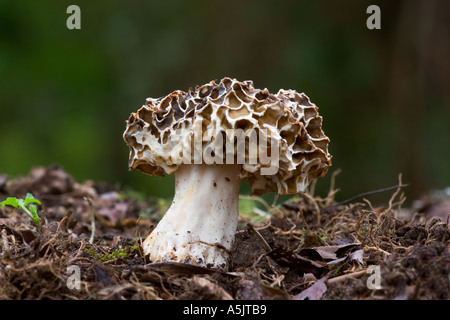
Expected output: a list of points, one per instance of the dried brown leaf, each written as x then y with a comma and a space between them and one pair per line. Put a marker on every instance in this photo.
287, 258
328, 252
314, 292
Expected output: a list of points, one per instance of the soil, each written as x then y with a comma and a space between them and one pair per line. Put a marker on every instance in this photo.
309, 247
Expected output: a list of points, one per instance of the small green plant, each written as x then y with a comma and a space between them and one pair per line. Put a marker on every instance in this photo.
23, 203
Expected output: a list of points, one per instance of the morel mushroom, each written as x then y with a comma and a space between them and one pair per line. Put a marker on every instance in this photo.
211, 138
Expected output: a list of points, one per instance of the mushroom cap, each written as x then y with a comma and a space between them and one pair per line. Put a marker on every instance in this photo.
180, 127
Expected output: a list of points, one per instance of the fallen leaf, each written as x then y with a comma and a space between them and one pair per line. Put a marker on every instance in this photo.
314, 292
357, 256
287, 258
328, 252
342, 240
309, 277
25, 235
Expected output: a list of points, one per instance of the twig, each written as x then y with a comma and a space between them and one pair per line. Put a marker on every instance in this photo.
275, 199
91, 206
312, 187
376, 249
357, 274
300, 211
395, 195
337, 216
358, 236
64, 220
369, 193
6, 248
263, 202
332, 191
314, 203
260, 200
257, 260
260, 237
371, 236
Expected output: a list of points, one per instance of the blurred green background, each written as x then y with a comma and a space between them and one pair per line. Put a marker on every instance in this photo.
384, 94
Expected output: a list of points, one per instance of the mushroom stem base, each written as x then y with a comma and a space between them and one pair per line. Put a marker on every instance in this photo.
200, 225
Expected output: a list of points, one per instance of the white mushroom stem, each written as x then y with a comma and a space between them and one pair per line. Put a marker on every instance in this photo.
200, 225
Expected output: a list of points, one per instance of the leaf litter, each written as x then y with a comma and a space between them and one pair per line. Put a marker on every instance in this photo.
308, 247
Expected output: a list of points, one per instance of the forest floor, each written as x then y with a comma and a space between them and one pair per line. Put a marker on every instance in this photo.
306, 248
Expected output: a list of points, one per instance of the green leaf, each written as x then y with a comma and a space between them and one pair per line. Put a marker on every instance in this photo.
21, 203
10, 201
34, 216
29, 199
